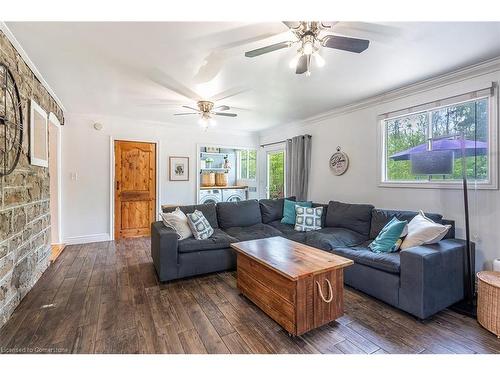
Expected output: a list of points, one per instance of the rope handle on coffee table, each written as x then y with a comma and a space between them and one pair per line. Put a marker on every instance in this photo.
330, 291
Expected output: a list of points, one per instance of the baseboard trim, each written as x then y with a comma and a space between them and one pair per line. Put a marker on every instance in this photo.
87, 239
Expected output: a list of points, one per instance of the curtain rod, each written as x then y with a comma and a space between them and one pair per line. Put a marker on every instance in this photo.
283, 141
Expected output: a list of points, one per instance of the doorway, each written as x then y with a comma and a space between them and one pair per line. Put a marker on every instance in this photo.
134, 188
275, 174
55, 186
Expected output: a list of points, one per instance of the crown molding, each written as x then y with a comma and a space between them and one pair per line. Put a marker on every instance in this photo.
455, 76
5, 29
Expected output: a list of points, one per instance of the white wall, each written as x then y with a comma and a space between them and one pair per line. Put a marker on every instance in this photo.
86, 153
355, 130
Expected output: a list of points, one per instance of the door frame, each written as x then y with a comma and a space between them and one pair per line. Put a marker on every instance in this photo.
272, 150
218, 145
112, 178
55, 121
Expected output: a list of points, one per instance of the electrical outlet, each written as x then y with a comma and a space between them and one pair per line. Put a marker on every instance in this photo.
73, 176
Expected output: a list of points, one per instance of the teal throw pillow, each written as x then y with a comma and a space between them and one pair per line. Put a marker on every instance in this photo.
386, 241
289, 210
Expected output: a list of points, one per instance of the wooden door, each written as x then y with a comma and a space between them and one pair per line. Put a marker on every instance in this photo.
135, 188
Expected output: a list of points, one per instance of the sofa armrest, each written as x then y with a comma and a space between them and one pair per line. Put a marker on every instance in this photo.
432, 277
164, 251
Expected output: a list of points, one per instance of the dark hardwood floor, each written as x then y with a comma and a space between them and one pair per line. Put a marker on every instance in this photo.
105, 298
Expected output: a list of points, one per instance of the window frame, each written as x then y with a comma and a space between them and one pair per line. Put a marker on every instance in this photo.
275, 150
490, 184
239, 169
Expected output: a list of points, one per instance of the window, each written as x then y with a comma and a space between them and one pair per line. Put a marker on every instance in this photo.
448, 127
247, 161
276, 174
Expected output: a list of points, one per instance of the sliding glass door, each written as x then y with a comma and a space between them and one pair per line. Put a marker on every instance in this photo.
275, 174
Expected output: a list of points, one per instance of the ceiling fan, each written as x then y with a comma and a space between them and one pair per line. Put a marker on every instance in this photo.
205, 106
206, 111
310, 39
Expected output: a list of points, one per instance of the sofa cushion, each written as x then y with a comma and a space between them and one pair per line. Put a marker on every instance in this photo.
208, 210
218, 240
356, 217
238, 214
272, 209
288, 231
253, 232
330, 238
381, 217
388, 262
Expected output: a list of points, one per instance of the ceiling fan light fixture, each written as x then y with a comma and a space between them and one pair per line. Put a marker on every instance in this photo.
308, 45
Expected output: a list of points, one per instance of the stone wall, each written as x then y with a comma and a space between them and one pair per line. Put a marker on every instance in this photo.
24, 198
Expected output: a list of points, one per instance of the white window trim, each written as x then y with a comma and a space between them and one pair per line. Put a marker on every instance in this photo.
491, 184
274, 149
238, 171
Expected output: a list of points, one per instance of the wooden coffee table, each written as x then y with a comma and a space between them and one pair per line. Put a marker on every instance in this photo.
299, 286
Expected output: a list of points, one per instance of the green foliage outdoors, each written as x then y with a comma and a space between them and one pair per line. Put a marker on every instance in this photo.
276, 162
469, 118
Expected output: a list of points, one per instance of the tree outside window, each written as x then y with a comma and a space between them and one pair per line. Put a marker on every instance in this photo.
276, 174
468, 119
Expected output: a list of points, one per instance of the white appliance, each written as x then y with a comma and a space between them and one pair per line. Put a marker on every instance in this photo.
210, 196
234, 195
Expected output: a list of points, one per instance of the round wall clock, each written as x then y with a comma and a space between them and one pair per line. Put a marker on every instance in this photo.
339, 162
11, 122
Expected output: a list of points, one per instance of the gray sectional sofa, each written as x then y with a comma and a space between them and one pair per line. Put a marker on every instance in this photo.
421, 280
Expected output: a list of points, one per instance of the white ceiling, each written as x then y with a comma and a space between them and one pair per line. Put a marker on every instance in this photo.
121, 69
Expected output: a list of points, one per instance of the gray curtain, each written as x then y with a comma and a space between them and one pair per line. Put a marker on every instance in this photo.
298, 164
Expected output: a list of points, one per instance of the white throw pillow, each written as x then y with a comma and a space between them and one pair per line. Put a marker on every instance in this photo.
178, 221
423, 231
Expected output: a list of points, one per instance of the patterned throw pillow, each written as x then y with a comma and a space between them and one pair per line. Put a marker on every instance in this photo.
308, 218
178, 221
199, 225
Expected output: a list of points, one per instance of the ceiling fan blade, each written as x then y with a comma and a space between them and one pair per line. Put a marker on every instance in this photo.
210, 67
228, 93
366, 30
345, 44
171, 84
188, 107
294, 25
267, 49
225, 114
241, 36
301, 65
187, 113
222, 108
